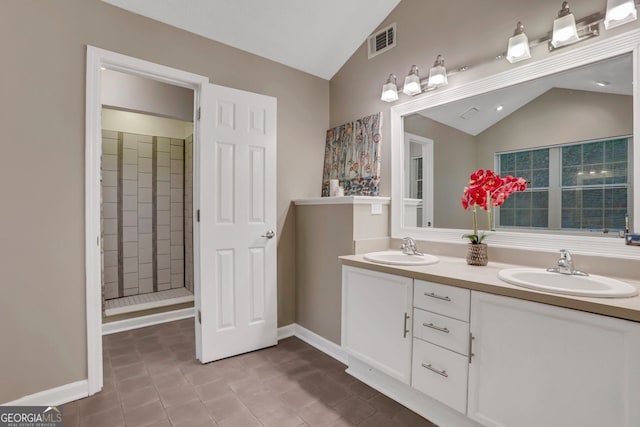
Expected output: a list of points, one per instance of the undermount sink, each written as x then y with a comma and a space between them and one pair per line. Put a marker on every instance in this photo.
398, 258
583, 286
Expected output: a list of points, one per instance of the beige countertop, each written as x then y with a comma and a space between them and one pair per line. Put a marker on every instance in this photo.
456, 272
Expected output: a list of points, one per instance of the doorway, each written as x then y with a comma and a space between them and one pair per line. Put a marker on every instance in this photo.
234, 211
119, 89
146, 195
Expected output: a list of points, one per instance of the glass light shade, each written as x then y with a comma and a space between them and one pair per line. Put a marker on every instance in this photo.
619, 12
389, 92
564, 31
437, 77
518, 49
412, 85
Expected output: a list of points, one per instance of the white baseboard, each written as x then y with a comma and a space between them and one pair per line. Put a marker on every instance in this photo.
142, 321
286, 331
55, 396
324, 345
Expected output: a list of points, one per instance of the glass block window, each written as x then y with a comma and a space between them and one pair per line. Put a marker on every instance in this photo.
595, 185
529, 208
580, 187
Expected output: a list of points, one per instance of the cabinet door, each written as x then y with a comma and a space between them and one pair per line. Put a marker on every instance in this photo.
538, 365
376, 320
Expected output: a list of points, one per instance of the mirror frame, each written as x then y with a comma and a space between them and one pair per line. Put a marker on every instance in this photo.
555, 62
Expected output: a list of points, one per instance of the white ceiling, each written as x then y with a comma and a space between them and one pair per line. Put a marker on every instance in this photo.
617, 72
316, 37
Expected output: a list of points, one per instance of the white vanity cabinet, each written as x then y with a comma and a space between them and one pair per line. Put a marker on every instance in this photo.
538, 365
468, 358
376, 320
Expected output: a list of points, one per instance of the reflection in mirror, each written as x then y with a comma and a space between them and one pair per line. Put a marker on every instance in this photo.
568, 134
418, 185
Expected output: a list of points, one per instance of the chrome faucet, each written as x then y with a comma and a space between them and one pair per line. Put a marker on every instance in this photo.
409, 247
565, 265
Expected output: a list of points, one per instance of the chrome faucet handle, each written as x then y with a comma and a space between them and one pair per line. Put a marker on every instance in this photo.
409, 242
565, 265
409, 246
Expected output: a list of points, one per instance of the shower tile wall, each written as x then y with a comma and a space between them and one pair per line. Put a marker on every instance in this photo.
143, 213
188, 212
110, 212
163, 209
177, 213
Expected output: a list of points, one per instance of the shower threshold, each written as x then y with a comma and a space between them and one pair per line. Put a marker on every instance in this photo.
147, 301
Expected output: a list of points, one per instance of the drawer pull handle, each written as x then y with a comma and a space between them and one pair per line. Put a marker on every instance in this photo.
437, 328
437, 371
436, 296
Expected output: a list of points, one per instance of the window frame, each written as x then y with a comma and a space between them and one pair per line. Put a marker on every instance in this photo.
555, 188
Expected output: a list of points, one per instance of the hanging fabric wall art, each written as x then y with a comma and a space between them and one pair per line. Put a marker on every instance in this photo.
352, 155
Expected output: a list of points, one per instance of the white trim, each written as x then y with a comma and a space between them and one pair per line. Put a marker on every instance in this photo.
142, 321
54, 396
97, 58
346, 200
436, 412
147, 305
286, 331
324, 345
553, 63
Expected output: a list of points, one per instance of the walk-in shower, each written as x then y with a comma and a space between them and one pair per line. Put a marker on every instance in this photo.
147, 227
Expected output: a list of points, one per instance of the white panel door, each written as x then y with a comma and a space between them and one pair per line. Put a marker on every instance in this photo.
236, 164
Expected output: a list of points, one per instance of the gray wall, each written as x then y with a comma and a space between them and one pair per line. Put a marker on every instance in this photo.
323, 233
145, 95
42, 300
559, 116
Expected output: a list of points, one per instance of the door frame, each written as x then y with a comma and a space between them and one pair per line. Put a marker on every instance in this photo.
96, 60
427, 174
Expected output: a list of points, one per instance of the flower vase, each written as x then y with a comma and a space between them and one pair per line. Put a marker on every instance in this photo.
477, 254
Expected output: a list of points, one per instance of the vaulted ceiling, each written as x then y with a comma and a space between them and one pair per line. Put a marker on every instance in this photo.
316, 37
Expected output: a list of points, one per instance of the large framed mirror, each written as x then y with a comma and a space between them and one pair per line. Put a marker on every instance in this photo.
565, 123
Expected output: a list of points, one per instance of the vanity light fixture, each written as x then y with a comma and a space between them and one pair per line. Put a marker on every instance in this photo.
564, 28
437, 74
412, 82
619, 12
518, 49
390, 90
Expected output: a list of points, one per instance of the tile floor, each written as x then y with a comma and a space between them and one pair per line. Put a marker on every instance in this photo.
151, 378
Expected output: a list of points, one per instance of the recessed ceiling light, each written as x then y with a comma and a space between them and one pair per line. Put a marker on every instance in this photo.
102, 68
602, 83
592, 172
499, 108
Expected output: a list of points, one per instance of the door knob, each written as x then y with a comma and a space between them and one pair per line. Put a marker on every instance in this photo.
269, 235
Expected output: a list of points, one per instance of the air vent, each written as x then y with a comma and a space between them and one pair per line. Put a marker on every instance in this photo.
469, 113
382, 41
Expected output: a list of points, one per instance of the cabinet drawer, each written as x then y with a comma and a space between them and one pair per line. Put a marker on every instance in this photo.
441, 330
440, 373
442, 299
